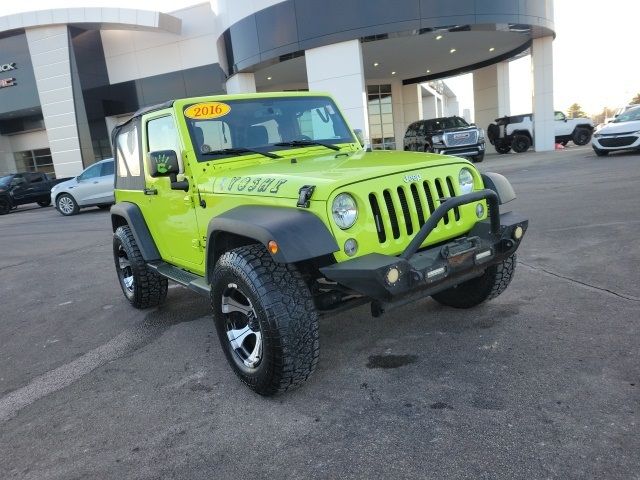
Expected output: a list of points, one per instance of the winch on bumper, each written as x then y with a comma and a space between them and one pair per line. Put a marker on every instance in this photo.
391, 281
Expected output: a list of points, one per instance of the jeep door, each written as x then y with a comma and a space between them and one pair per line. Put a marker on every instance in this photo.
562, 126
170, 214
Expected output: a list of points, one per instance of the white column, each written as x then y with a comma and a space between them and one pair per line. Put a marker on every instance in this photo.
49, 48
345, 83
241, 83
491, 93
411, 104
543, 114
7, 161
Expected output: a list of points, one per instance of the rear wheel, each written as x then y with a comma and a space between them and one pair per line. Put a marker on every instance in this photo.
45, 203
141, 286
266, 320
492, 283
67, 205
502, 146
520, 143
581, 136
600, 153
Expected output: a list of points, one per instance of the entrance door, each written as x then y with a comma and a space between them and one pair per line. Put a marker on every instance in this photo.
170, 213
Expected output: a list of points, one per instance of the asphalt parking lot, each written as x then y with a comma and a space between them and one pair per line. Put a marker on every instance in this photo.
543, 382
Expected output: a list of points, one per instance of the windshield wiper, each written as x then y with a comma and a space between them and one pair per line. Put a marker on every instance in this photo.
240, 151
306, 143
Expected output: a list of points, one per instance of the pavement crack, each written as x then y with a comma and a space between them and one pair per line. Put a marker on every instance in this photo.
581, 283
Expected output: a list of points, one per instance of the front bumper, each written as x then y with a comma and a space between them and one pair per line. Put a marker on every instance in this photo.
622, 141
415, 274
462, 151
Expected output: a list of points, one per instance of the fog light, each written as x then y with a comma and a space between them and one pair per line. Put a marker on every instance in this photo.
351, 247
436, 272
518, 232
479, 210
393, 275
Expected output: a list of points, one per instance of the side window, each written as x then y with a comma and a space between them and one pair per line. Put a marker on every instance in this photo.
162, 135
35, 178
127, 152
420, 130
411, 131
92, 172
560, 116
107, 169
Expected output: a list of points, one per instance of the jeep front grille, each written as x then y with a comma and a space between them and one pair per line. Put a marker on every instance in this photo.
401, 211
460, 139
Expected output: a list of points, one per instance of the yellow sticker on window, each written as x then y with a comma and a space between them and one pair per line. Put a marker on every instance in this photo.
204, 111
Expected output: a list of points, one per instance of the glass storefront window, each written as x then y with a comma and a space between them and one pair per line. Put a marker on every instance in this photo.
381, 117
35, 161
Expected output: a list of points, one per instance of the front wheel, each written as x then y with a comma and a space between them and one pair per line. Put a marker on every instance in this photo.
520, 143
581, 136
502, 146
601, 153
45, 203
492, 283
142, 286
67, 205
478, 158
266, 320
5, 206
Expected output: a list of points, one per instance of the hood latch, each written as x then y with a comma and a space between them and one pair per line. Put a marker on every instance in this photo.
304, 196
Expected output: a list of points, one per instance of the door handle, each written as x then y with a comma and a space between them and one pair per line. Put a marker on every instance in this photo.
150, 191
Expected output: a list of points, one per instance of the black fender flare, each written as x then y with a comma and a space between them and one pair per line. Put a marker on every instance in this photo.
127, 213
300, 234
499, 184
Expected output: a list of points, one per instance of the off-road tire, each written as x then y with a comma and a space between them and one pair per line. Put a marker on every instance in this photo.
5, 206
581, 136
285, 312
478, 158
492, 283
502, 146
67, 200
149, 288
520, 143
601, 153
44, 203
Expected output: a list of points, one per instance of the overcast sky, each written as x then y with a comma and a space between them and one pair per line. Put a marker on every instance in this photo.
595, 52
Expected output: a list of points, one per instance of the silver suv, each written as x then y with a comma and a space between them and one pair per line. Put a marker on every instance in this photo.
92, 188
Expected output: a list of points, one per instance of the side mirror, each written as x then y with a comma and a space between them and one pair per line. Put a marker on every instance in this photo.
163, 163
358, 133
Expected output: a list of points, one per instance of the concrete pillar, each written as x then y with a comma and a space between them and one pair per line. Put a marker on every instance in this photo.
543, 112
491, 93
49, 48
241, 83
7, 161
346, 84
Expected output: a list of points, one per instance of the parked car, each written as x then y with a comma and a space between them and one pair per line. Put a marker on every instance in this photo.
516, 132
92, 188
25, 187
448, 136
622, 133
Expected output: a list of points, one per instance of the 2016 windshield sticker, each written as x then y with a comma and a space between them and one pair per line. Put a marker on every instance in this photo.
207, 110
250, 184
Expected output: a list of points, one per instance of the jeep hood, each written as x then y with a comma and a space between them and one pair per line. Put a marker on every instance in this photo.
327, 172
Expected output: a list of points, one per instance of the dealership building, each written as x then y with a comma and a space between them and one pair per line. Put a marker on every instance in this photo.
68, 76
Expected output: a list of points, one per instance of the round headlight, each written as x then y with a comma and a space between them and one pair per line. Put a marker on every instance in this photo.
345, 211
465, 179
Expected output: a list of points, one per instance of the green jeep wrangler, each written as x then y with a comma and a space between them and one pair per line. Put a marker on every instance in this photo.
269, 204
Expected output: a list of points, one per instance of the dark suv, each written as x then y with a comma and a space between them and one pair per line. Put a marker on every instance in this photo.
448, 136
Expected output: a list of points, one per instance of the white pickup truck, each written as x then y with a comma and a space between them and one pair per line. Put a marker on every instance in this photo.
516, 132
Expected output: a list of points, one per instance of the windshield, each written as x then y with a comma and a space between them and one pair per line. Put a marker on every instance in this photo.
5, 181
444, 123
628, 116
261, 123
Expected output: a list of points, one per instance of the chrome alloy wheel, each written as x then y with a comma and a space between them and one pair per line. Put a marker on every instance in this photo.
242, 326
126, 272
66, 205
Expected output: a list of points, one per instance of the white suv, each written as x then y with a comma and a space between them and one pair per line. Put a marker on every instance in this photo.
92, 188
623, 133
